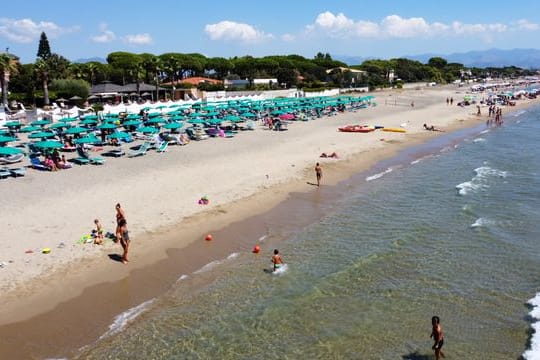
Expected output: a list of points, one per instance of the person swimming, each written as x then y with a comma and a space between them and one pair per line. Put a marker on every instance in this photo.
277, 260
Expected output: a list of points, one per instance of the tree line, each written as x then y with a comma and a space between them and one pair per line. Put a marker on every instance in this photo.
53, 76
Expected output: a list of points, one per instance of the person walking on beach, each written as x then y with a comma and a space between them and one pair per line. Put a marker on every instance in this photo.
120, 215
277, 260
437, 335
318, 173
124, 240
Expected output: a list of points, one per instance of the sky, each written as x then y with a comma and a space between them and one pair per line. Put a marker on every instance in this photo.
377, 29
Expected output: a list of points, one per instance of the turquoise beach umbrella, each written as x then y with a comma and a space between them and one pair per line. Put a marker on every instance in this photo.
68, 119
90, 139
49, 144
29, 129
173, 125
40, 122
148, 130
87, 121
6, 150
119, 135
76, 130
131, 123
41, 135
107, 126
59, 125
6, 139
10, 124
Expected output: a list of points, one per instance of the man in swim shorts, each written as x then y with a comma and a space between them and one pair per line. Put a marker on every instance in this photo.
437, 335
277, 260
124, 240
318, 173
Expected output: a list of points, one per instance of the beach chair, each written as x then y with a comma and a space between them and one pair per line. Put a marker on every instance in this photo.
119, 152
36, 164
15, 172
85, 158
4, 173
162, 147
141, 150
11, 159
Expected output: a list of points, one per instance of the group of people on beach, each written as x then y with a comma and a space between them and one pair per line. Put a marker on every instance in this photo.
121, 233
494, 116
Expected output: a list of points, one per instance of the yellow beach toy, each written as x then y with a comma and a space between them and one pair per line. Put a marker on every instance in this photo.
45, 250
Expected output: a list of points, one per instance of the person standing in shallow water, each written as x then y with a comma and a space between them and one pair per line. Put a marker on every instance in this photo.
318, 173
437, 335
120, 215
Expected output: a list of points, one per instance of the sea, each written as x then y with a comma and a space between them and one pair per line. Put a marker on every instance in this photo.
448, 228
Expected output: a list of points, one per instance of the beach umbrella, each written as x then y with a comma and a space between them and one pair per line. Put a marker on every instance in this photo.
196, 121
10, 124
177, 118
61, 100
5, 139
133, 116
131, 123
49, 144
59, 125
148, 130
106, 126
160, 107
41, 135
68, 119
87, 121
40, 122
29, 129
212, 113
6, 150
119, 135
196, 114
92, 117
233, 118
75, 98
173, 125
153, 114
89, 139
76, 130
156, 120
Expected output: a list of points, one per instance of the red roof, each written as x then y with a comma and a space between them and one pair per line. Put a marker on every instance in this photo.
196, 80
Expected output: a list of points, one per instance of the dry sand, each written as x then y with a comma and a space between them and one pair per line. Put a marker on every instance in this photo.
242, 176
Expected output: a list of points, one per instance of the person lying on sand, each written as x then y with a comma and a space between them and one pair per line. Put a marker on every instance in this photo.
332, 155
431, 128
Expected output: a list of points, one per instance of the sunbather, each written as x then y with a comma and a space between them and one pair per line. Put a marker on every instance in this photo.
63, 163
332, 155
98, 240
48, 162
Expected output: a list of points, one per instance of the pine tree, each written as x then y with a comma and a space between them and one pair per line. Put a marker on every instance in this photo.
44, 50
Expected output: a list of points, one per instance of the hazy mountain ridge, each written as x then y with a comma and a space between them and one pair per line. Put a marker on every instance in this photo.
523, 58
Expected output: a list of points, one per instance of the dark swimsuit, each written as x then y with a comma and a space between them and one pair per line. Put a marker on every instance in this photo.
440, 343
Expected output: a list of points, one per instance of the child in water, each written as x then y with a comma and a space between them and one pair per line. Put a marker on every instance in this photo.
277, 260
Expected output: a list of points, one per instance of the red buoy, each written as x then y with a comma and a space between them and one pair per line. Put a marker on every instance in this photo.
256, 249
208, 237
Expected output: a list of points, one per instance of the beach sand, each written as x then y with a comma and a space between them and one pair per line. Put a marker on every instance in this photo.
243, 177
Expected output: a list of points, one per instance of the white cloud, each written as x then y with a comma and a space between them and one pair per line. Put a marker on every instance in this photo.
288, 37
138, 39
395, 26
230, 30
105, 35
27, 30
524, 24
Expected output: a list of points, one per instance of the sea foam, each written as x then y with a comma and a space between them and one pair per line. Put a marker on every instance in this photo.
379, 175
479, 181
122, 320
533, 353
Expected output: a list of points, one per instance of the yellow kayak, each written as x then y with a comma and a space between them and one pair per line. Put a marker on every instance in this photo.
400, 130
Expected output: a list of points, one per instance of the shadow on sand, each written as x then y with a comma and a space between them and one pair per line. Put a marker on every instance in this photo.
417, 356
115, 257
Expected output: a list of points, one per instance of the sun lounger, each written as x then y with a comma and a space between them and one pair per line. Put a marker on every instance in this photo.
162, 147
115, 152
21, 171
11, 159
141, 150
85, 158
35, 163
4, 174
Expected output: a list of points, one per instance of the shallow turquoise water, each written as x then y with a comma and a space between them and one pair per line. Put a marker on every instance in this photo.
455, 235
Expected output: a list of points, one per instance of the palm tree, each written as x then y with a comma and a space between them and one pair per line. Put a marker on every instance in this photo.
42, 70
8, 66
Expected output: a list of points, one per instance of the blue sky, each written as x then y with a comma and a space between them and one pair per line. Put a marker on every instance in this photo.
381, 29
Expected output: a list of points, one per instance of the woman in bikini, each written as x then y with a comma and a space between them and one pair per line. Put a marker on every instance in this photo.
120, 215
124, 240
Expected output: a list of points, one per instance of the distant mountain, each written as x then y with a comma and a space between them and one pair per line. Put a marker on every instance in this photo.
96, 59
523, 58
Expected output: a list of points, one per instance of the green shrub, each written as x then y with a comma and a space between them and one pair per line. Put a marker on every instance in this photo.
67, 88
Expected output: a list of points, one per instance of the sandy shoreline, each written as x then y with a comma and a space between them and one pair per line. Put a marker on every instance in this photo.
159, 193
